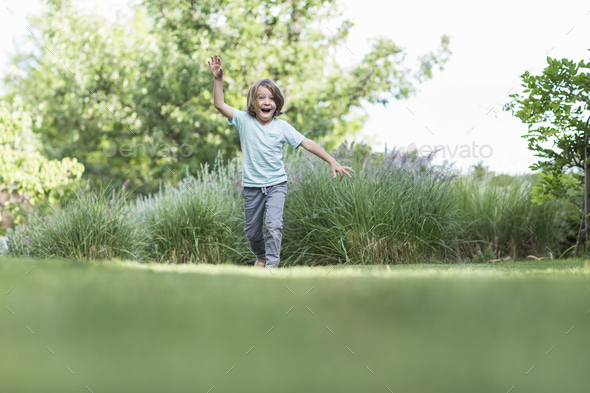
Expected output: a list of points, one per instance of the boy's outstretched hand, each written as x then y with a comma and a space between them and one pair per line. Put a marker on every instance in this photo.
215, 67
314, 148
340, 169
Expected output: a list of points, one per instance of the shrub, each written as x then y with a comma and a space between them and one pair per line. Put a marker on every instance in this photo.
396, 208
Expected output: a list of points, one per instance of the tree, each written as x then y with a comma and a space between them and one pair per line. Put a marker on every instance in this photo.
26, 177
554, 110
145, 82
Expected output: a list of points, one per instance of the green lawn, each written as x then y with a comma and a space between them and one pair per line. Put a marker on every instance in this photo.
127, 327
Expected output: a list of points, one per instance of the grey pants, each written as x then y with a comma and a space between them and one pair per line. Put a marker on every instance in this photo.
267, 249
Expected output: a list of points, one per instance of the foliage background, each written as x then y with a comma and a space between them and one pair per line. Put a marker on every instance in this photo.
94, 84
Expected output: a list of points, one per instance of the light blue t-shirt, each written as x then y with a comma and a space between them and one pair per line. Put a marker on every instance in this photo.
262, 148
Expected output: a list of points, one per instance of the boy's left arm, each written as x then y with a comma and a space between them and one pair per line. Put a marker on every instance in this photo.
314, 148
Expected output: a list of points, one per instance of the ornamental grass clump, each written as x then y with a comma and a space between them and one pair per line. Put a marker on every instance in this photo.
397, 208
504, 221
198, 221
91, 225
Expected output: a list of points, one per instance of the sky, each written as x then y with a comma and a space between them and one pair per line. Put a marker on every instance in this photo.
493, 43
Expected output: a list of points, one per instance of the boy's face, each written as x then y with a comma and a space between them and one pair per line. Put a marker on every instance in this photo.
266, 103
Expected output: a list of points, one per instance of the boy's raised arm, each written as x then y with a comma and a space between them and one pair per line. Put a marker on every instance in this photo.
218, 102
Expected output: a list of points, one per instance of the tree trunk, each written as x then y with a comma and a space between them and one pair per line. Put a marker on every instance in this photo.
578, 240
583, 232
586, 192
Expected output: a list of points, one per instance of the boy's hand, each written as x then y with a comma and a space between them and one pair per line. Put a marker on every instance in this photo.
340, 169
215, 67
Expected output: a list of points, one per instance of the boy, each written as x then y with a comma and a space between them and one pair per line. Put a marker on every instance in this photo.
262, 136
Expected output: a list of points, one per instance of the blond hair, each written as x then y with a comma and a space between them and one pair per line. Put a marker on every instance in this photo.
252, 102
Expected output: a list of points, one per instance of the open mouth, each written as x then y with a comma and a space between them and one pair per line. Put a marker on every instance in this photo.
266, 111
